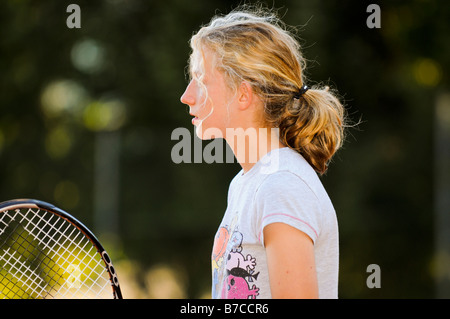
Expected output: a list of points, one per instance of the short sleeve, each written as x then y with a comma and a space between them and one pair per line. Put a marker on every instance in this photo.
284, 197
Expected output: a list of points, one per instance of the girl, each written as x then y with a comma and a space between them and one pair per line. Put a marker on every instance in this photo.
279, 234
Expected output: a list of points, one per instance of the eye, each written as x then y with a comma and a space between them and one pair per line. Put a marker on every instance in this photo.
196, 75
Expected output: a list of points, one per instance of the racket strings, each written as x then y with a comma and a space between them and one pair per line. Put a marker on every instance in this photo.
42, 255
24, 274
25, 281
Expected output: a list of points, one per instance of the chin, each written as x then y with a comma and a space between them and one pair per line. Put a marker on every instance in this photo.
208, 133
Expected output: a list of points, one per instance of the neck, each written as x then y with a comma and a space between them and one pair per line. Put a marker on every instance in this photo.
250, 145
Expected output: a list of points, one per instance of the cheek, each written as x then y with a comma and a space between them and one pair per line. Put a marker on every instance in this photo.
213, 124
209, 105
215, 110
216, 114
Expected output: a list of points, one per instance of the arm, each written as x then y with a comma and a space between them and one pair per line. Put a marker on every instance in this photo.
290, 259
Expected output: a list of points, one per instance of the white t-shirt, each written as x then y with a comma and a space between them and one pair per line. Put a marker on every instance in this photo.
281, 187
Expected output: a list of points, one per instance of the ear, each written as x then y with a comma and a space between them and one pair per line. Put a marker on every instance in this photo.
245, 95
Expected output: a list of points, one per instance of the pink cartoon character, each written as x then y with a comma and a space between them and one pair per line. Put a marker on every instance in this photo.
238, 288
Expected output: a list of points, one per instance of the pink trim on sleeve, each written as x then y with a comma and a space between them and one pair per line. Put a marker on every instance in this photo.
293, 217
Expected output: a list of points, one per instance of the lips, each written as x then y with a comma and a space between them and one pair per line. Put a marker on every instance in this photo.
194, 119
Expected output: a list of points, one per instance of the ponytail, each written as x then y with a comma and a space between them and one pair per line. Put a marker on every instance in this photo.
312, 124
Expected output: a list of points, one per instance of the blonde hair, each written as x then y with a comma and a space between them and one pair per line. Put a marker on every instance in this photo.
256, 47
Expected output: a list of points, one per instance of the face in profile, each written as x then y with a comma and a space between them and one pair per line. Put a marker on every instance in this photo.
209, 99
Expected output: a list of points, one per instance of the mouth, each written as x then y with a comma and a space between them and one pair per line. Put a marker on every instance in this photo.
195, 119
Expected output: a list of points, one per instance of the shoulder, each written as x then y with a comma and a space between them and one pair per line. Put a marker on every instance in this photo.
285, 185
284, 197
289, 172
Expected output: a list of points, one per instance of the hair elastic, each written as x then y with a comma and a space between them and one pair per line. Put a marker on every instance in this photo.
301, 91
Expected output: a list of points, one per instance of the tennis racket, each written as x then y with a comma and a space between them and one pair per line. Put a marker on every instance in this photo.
47, 253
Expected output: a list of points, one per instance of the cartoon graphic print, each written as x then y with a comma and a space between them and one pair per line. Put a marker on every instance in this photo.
239, 269
238, 288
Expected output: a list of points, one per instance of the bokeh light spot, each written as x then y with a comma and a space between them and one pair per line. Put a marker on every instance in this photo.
427, 72
88, 56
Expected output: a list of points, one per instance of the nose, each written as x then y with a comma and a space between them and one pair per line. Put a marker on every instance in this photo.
188, 96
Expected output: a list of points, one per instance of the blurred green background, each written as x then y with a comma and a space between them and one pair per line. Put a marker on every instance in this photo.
86, 117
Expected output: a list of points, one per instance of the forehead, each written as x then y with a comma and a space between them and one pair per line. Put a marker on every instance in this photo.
203, 61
